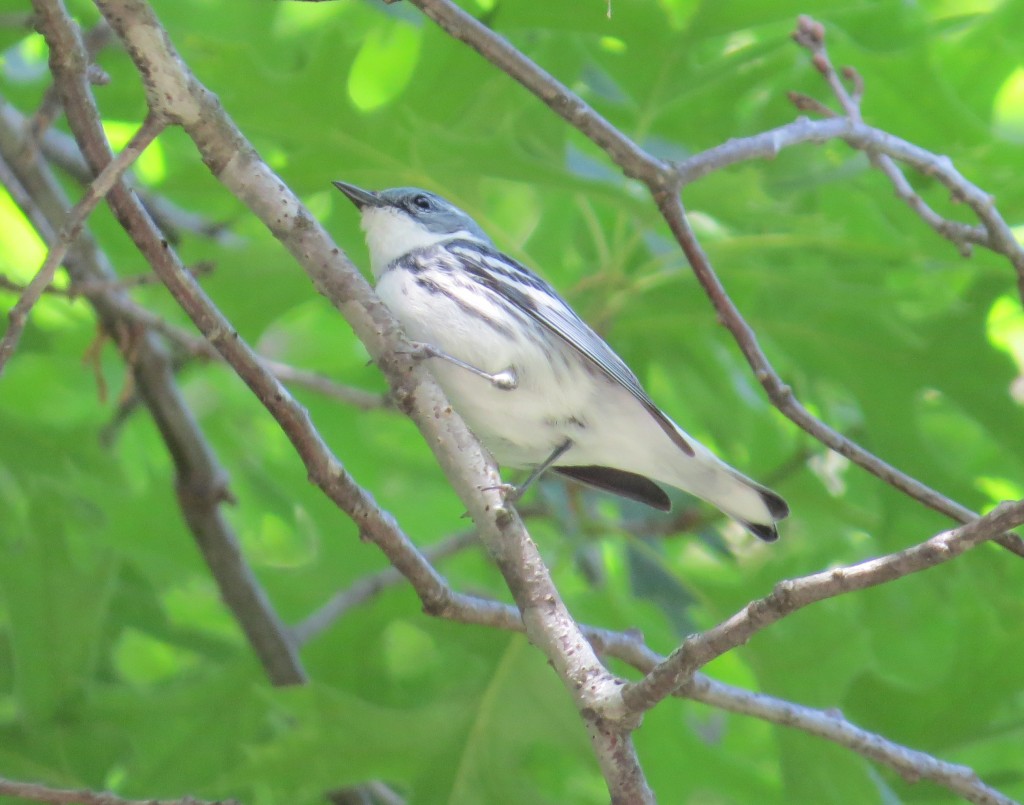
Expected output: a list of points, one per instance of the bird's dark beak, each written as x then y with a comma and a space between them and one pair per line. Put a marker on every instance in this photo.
361, 198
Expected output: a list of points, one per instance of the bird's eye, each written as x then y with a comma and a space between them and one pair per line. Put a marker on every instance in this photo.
422, 203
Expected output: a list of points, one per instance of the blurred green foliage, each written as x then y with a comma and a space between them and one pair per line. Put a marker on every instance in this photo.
120, 668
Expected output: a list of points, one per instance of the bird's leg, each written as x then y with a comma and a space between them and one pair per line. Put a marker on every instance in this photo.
506, 379
539, 470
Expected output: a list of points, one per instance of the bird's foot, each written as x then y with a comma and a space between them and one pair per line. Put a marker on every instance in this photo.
510, 492
506, 380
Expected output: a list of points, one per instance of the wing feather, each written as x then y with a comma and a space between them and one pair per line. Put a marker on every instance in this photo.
535, 297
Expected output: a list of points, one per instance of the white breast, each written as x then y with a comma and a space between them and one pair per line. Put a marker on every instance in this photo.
515, 425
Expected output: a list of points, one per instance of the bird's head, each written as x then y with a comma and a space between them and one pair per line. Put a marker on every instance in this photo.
403, 219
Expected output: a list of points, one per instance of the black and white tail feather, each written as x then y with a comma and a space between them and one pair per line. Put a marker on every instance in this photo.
565, 400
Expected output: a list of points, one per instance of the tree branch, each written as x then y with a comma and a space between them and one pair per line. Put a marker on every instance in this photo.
368, 586
81, 796
62, 150
782, 395
195, 463
995, 235
328, 387
789, 596
629, 647
95, 193
911, 764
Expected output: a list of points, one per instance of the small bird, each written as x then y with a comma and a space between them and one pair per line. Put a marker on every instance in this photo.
538, 387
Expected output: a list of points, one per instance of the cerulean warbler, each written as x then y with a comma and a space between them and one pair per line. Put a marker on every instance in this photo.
536, 385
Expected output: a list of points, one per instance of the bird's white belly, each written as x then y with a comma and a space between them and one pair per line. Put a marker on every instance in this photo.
559, 397
522, 426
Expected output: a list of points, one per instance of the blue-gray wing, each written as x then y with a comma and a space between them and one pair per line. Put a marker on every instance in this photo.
521, 287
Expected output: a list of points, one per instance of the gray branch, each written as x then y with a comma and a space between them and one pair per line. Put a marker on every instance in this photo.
789, 596
911, 764
81, 796
200, 479
830, 725
993, 234
369, 586
70, 230
62, 150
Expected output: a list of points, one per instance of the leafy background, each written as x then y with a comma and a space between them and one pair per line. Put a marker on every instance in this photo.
121, 669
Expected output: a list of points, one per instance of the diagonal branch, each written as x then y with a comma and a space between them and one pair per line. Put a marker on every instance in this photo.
95, 193
368, 586
782, 395
45, 205
81, 796
789, 596
911, 764
62, 151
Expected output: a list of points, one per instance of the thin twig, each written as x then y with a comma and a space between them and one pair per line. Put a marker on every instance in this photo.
369, 586
62, 150
49, 109
768, 144
810, 34
96, 192
81, 796
782, 395
314, 381
11, 182
911, 764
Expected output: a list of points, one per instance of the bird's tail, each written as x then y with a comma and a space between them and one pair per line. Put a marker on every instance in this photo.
777, 508
754, 506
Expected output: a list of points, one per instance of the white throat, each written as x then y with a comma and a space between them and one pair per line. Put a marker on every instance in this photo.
391, 234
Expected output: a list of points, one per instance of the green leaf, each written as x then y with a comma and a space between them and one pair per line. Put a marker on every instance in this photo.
384, 65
